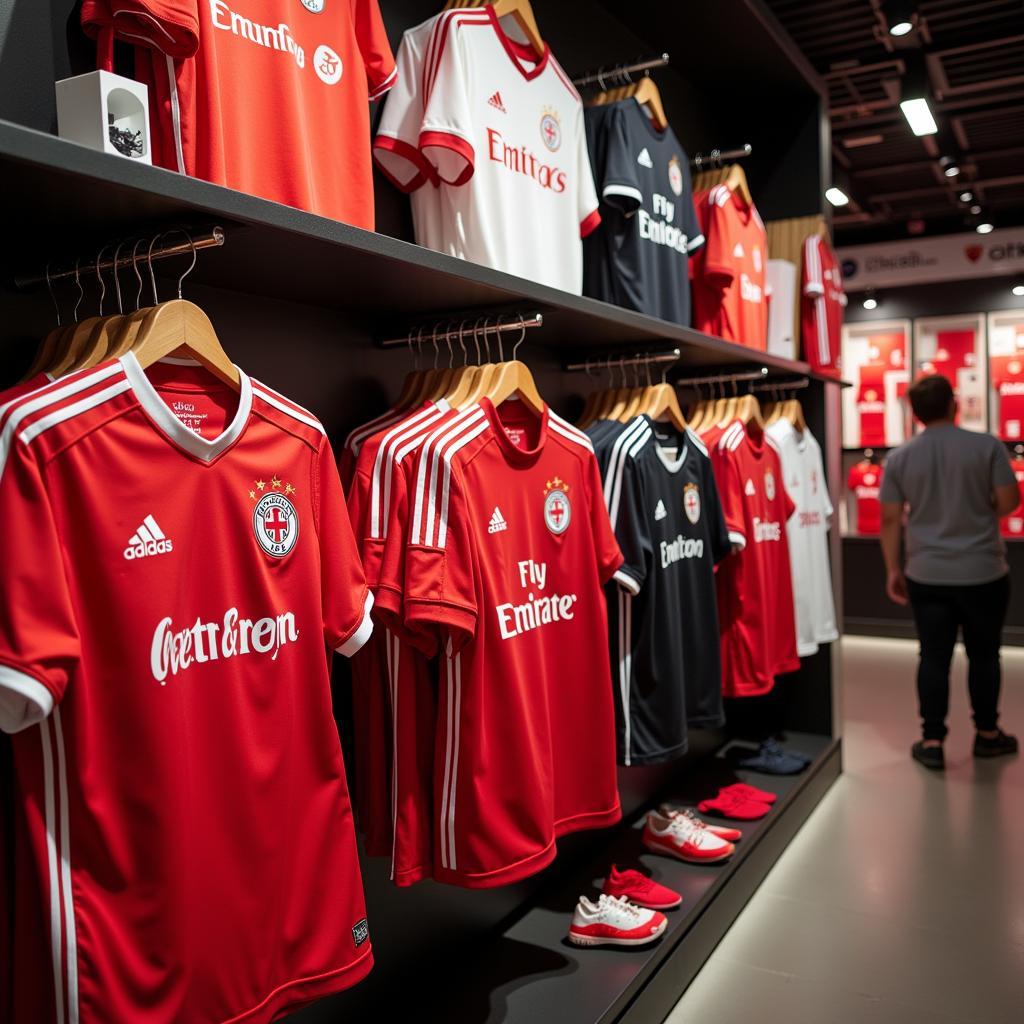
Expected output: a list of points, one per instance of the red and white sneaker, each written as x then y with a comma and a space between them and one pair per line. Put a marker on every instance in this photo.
614, 921
731, 835
744, 789
641, 890
679, 837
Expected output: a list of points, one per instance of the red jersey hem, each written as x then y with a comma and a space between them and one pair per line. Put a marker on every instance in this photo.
410, 876
502, 876
457, 145
407, 151
590, 223
284, 998
592, 819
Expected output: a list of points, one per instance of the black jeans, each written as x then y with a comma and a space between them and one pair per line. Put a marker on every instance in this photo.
939, 611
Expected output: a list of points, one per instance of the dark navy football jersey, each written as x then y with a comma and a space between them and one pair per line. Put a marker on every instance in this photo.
663, 614
637, 257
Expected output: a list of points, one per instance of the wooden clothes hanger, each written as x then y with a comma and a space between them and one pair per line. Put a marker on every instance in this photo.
748, 411
100, 340
663, 406
514, 379
48, 346
647, 94
736, 181
180, 326
519, 10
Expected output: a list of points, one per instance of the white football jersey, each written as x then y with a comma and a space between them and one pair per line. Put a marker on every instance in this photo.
502, 135
808, 536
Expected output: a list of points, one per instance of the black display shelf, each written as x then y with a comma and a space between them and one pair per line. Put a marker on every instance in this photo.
71, 200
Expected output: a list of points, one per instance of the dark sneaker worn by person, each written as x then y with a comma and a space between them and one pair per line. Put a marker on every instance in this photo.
995, 746
931, 757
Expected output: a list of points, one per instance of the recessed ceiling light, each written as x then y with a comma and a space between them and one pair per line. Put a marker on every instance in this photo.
919, 116
951, 171
966, 197
1018, 290
870, 303
836, 196
975, 209
901, 28
984, 228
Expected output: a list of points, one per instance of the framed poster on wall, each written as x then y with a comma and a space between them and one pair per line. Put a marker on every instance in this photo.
1006, 373
876, 360
954, 347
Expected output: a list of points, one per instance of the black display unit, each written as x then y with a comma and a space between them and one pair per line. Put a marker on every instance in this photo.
303, 303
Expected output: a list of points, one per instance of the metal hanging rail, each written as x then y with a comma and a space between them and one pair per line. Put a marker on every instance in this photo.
723, 378
783, 385
717, 157
613, 363
618, 73
185, 244
464, 326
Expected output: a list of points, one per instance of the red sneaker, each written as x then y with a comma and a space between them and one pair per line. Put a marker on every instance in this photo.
738, 808
722, 831
614, 922
679, 837
641, 890
750, 792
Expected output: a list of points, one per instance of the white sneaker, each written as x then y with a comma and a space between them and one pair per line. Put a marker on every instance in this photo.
722, 831
678, 836
614, 921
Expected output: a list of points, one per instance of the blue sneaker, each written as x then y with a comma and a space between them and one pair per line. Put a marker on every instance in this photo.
776, 748
773, 760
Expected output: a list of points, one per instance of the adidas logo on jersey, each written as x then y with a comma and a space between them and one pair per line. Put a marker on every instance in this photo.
148, 539
738, 251
495, 101
644, 159
660, 511
497, 523
750, 490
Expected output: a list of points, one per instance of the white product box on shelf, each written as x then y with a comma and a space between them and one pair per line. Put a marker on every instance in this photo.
104, 111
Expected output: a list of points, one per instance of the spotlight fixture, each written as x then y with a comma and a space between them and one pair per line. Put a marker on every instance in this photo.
966, 197
984, 228
870, 302
914, 97
975, 210
1018, 290
950, 168
900, 16
836, 196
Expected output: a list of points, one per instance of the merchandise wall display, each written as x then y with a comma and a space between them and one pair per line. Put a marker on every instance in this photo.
730, 296
638, 256
268, 98
875, 360
1006, 374
1013, 524
954, 347
865, 484
822, 307
190, 690
494, 132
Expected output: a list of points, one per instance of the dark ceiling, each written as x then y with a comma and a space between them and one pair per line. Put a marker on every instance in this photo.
973, 51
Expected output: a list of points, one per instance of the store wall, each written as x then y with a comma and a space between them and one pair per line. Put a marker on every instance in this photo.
946, 298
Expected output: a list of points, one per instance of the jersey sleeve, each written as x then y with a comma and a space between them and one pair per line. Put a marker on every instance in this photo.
730, 491
396, 144
587, 212
39, 643
447, 126
617, 177
374, 47
718, 268
721, 545
813, 282
632, 531
440, 593
170, 26
345, 598
609, 555
691, 222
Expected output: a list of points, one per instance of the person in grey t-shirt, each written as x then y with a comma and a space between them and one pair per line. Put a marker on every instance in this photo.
954, 485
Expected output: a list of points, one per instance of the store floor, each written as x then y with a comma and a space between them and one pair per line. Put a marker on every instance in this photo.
901, 901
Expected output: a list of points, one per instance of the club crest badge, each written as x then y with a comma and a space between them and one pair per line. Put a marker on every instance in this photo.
327, 65
275, 520
313, 6
769, 485
557, 507
691, 503
675, 176
551, 129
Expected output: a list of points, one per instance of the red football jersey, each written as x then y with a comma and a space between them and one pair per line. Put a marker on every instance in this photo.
755, 585
822, 307
866, 483
730, 271
179, 554
508, 547
1007, 376
871, 404
393, 695
1013, 524
267, 97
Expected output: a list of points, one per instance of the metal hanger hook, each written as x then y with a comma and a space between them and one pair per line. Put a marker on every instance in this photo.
192, 265
99, 277
462, 343
117, 280
499, 329
522, 335
149, 260
81, 291
448, 332
433, 339
138, 276
49, 288
476, 338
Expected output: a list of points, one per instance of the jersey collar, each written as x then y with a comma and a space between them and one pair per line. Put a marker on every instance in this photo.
514, 455
520, 54
176, 431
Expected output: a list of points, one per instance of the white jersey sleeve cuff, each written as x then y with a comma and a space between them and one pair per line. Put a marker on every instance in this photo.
737, 539
626, 581
24, 701
362, 634
814, 289
695, 243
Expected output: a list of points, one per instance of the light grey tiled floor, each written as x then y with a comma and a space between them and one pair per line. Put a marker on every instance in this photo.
901, 901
